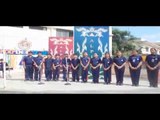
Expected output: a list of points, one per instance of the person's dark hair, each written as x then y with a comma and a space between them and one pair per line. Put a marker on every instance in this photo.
154, 49
84, 52
75, 54
108, 54
30, 52
135, 50
50, 54
39, 52
118, 51
57, 55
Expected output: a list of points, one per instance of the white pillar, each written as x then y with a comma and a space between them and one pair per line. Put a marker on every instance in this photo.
51, 32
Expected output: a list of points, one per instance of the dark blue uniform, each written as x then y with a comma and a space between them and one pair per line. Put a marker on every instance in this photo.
85, 61
56, 71
48, 68
107, 73
38, 60
135, 74
65, 63
119, 72
152, 61
75, 73
29, 67
95, 72
1, 68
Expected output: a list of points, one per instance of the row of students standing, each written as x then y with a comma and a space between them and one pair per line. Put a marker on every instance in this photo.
52, 67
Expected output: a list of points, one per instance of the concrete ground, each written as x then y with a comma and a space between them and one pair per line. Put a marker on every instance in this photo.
16, 85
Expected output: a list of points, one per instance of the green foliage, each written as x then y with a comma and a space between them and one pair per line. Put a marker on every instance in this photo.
122, 40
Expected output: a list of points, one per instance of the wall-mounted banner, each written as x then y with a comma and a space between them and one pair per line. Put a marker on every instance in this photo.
91, 39
22, 52
61, 45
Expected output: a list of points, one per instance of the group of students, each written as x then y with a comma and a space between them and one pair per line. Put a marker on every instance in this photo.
52, 67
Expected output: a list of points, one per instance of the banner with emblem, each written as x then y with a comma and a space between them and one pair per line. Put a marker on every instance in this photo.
91, 39
61, 45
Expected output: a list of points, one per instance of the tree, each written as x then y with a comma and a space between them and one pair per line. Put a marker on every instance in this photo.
122, 40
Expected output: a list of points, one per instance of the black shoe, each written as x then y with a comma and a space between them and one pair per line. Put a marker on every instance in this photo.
26, 80
120, 84
136, 85
150, 85
155, 86
85, 81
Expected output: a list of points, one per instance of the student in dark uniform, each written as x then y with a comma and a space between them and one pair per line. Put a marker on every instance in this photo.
28, 62
56, 66
75, 62
38, 63
1, 67
95, 67
48, 66
152, 64
66, 67
85, 61
107, 68
119, 65
135, 63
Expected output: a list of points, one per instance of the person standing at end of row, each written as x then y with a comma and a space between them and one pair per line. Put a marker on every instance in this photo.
85, 61
107, 68
152, 64
135, 63
95, 67
119, 65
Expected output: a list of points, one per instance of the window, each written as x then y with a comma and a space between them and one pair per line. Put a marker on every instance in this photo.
64, 33
71, 34
38, 27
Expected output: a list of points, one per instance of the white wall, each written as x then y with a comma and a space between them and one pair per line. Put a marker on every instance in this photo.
11, 36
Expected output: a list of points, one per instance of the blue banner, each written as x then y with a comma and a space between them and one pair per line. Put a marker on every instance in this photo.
91, 39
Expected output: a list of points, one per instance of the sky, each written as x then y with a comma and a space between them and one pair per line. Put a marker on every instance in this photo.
149, 33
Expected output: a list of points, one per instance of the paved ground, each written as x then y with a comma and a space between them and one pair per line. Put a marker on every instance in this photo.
20, 86
17, 85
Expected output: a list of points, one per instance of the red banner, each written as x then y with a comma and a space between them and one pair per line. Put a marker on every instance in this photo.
61, 45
